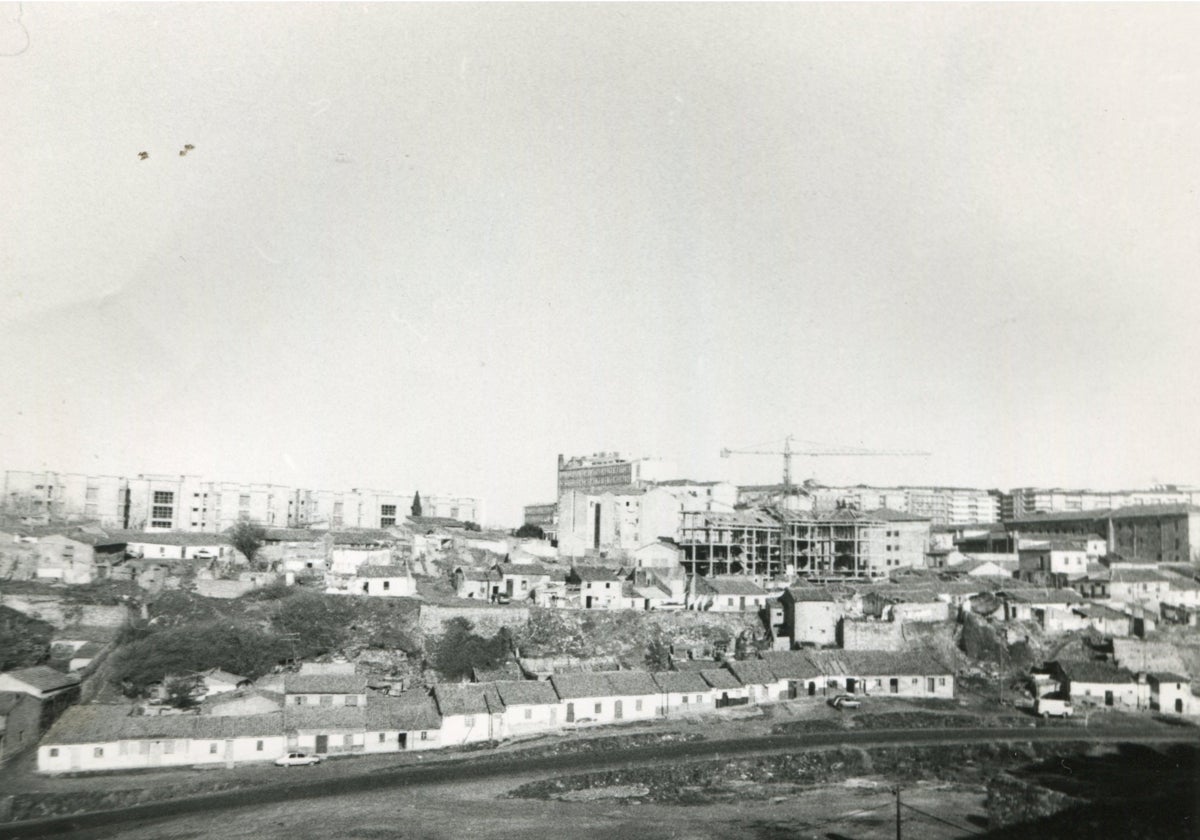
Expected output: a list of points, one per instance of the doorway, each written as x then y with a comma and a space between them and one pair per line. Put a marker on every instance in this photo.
617, 714
570, 713
322, 744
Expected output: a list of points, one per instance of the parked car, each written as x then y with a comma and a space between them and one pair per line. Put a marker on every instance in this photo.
845, 701
297, 760
1053, 707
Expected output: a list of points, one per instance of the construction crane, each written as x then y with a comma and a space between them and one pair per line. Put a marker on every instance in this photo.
787, 452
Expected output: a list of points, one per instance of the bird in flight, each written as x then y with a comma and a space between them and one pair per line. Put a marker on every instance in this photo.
186, 148
143, 155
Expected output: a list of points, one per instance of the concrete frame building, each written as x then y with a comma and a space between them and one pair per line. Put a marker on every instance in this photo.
849, 543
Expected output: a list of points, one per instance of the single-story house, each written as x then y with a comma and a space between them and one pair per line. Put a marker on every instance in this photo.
596, 698
20, 723
1171, 693
726, 593
530, 706
479, 584
684, 692
1099, 684
97, 737
470, 712
331, 689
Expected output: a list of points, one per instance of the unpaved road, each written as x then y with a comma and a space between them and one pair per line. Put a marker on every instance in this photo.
421, 785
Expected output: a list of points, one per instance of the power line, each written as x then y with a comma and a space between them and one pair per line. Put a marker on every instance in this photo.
939, 819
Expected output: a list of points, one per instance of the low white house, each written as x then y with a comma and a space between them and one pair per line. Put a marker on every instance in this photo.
391, 581
470, 712
684, 692
726, 594
1171, 693
96, 737
1100, 684
530, 707
765, 686
605, 697
325, 690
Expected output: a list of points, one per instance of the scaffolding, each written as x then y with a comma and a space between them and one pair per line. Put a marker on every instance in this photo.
744, 542
836, 544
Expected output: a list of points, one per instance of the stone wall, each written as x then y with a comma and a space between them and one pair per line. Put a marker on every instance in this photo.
485, 620
872, 635
62, 613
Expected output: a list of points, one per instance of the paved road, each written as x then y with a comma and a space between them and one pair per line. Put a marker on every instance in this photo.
432, 774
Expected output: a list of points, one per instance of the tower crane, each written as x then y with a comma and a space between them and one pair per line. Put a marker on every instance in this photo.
841, 451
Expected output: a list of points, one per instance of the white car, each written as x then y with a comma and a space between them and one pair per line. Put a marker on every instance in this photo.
845, 701
297, 760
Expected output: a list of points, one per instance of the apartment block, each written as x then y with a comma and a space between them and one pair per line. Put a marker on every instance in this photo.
610, 470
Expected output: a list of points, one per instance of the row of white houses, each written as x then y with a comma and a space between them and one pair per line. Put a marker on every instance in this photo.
342, 717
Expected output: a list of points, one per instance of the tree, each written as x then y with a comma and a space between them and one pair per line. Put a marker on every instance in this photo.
471, 526
528, 531
416, 505
247, 537
182, 691
459, 650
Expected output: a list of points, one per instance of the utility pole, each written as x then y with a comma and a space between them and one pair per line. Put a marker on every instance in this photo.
897, 789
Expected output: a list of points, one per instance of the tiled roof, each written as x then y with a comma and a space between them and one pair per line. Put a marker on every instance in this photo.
1044, 596
573, 686
169, 538
43, 678
1168, 677
324, 717
1148, 656
411, 711
590, 573
680, 682
371, 537
719, 678
526, 692
1078, 670
810, 593
466, 698
293, 535
1119, 575
729, 586
382, 571
91, 724
526, 569
752, 671
475, 574
324, 684
630, 683
791, 665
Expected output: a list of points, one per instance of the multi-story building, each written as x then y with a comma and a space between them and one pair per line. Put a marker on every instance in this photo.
848, 543
609, 470
616, 521
191, 503
1026, 501
940, 505
1137, 533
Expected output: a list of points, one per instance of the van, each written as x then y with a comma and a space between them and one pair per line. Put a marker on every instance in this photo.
1053, 707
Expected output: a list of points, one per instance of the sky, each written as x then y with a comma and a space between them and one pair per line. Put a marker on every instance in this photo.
430, 247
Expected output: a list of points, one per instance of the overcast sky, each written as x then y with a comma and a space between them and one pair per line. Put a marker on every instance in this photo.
432, 246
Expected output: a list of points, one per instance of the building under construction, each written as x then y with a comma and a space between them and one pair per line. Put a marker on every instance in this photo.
849, 543
737, 542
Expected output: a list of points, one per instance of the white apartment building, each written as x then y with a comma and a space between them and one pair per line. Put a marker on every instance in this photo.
157, 502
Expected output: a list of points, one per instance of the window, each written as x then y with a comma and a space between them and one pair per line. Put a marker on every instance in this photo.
941, 680
698, 700
469, 720
258, 746
212, 748
685, 699
424, 736
528, 714
301, 700
599, 707
637, 704
168, 747
162, 497
347, 741
382, 737
243, 501
98, 752
162, 512
54, 752
351, 699
326, 699
914, 681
